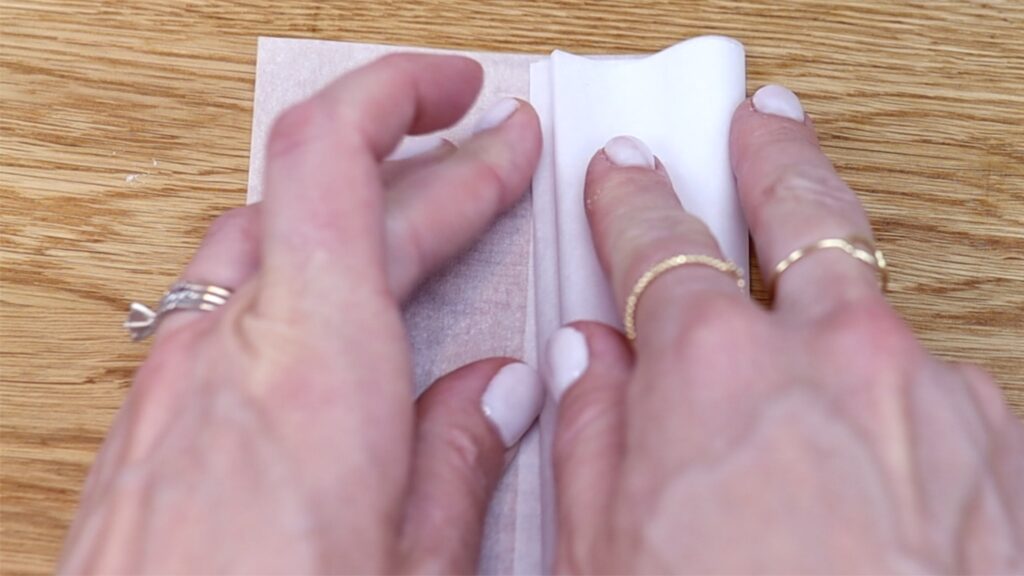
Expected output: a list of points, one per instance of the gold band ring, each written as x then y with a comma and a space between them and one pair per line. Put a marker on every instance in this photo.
860, 248
629, 316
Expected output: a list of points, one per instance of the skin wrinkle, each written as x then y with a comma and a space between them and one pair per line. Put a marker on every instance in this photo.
895, 458
409, 256
614, 180
875, 402
802, 190
922, 539
906, 475
1010, 429
979, 477
143, 476
104, 466
131, 484
1006, 522
107, 486
771, 417
273, 455
214, 411
973, 445
997, 426
435, 516
113, 526
273, 462
721, 444
980, 452
985, 483
971, 505
89, 533
487, 177
292, 131
142, 445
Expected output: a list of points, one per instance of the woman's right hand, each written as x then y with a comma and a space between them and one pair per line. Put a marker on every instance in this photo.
817, 436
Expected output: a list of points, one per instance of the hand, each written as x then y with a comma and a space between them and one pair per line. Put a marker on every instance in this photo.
815, 437
279, 433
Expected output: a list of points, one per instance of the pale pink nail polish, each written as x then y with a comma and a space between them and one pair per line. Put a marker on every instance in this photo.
629, 152
567, 360
497, 114
779, 101
415, 145
513, 400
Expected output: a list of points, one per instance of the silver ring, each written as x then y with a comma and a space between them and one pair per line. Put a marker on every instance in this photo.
143, 320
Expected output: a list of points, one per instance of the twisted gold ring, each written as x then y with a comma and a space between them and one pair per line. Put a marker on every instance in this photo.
629, 316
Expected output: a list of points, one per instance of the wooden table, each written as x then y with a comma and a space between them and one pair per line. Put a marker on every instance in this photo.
126, 130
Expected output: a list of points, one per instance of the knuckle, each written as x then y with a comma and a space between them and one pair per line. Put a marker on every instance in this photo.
653, 236
648, 238
466, 456
614, 188
979, 377
409, 253
719, 321
389, 61
804, 185
583, 412
868, 321
294, 128
985, 391
234, 220
627, 181
883, 346
489, 182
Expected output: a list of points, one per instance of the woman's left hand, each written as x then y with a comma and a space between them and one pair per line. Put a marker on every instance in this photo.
279, 433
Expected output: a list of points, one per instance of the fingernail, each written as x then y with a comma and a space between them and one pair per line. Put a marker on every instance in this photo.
629, 152
778, 100
567, 357
513, 400
414, 146
496, 115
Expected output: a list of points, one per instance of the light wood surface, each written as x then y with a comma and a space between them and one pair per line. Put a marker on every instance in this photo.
125, 130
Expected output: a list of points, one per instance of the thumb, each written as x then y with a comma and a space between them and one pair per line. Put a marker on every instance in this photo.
468, 423
588, 366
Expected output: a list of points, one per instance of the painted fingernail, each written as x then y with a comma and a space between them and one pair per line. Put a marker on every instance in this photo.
496, 115
779, 101
414, 146
513, 400
629, 152
567, 359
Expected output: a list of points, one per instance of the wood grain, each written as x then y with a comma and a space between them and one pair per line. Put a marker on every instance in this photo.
125, 130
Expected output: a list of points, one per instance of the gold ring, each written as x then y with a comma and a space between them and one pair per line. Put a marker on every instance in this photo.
629, 316
860, 248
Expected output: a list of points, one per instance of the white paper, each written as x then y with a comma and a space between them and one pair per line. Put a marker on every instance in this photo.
537, 263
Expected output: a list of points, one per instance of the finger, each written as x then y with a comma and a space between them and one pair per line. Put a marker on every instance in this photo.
637, 221
228, 257
323, 224
985, 392
323, 282
229, 253
466, 422
792, 198
436, 212
588, 366
412, 156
